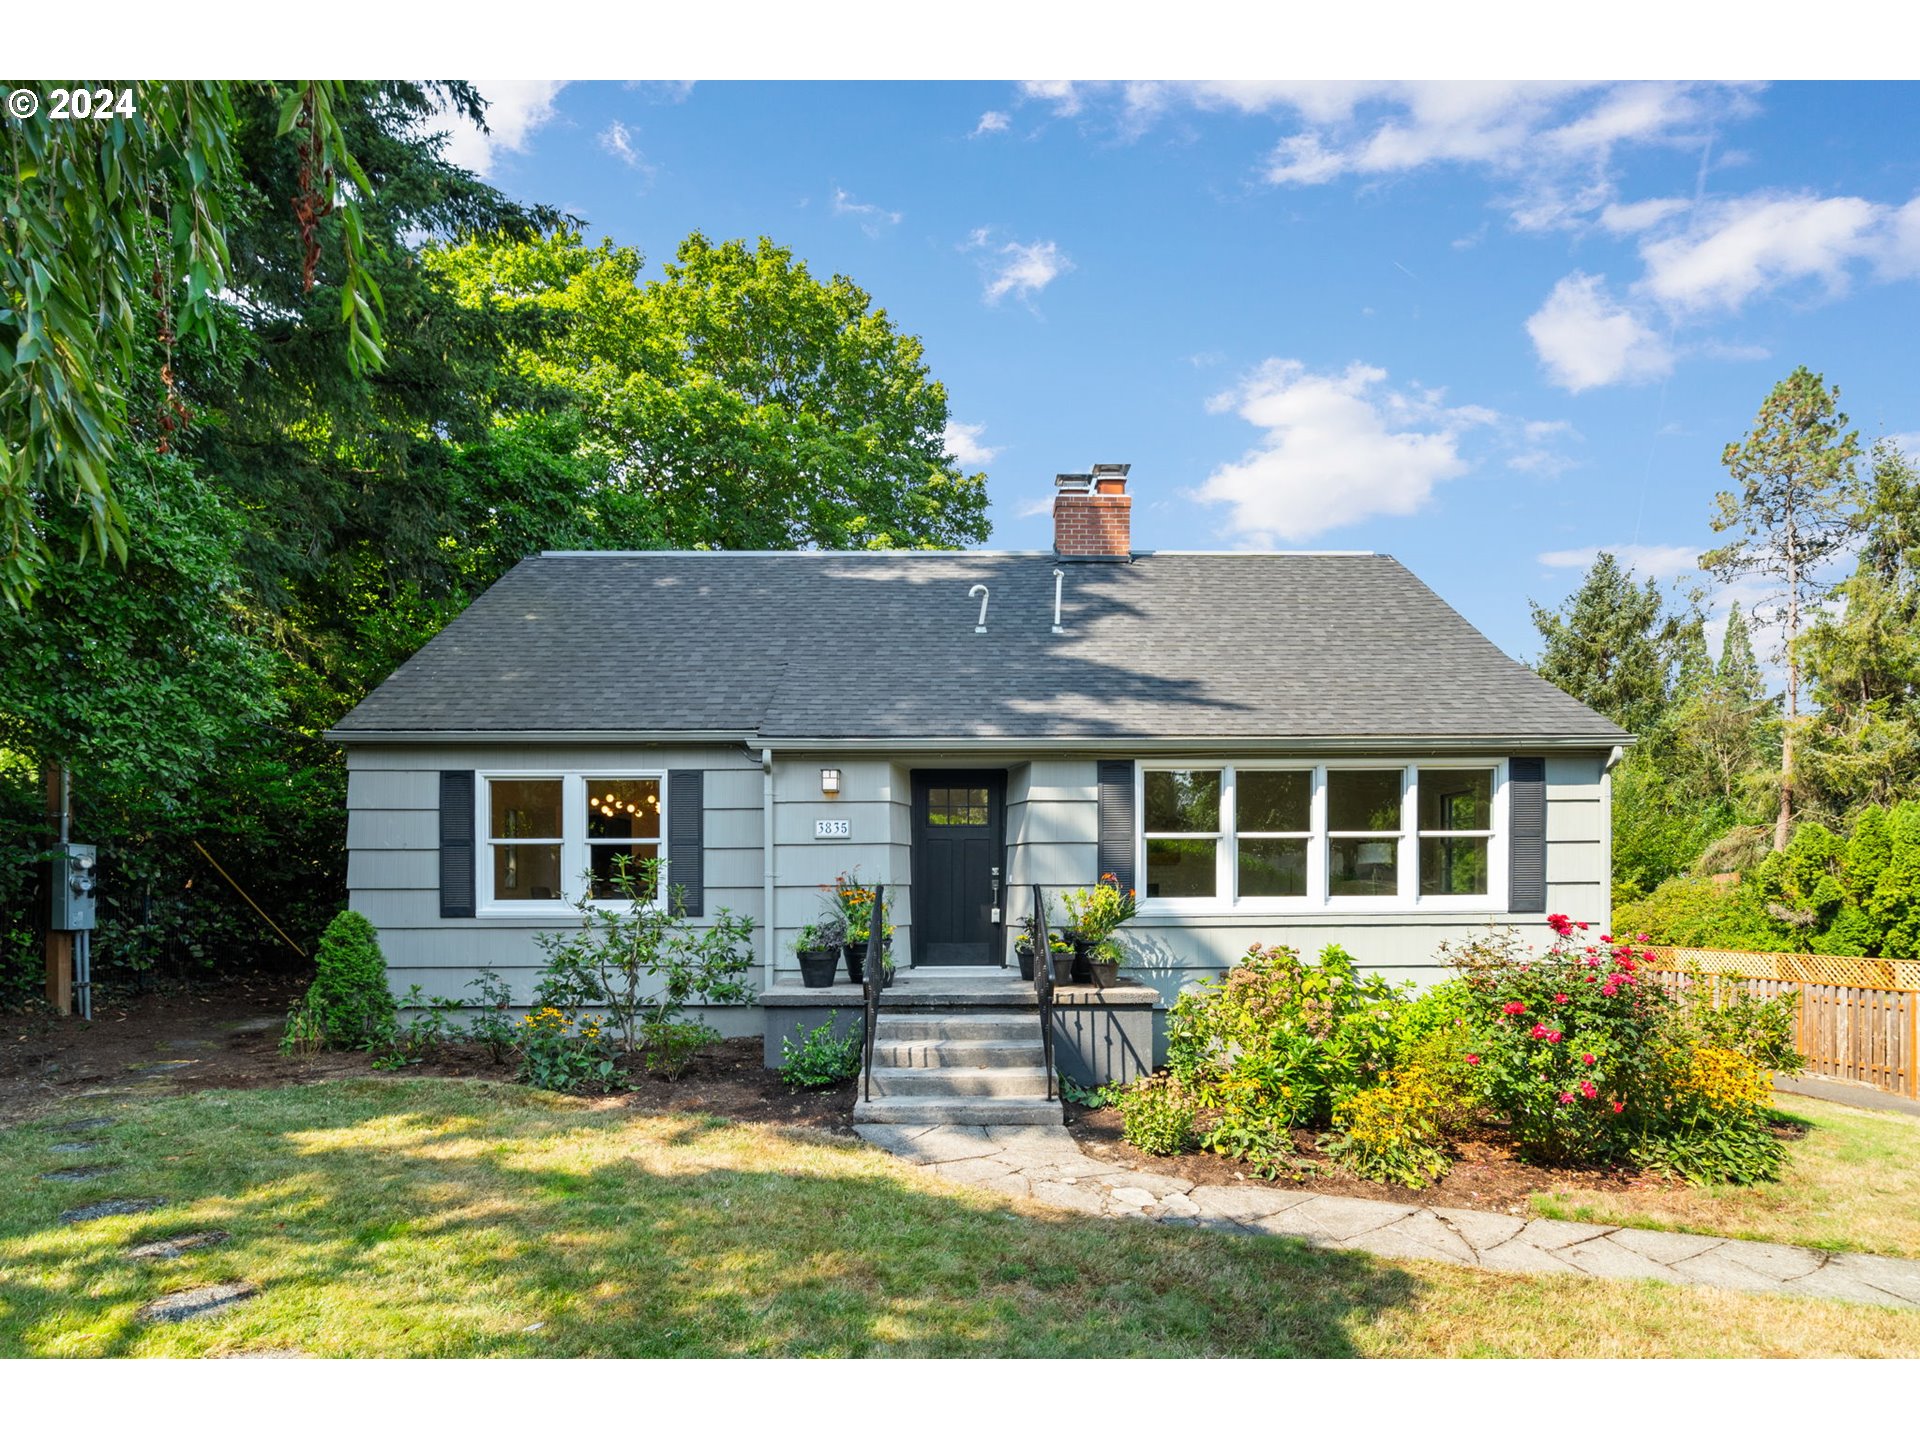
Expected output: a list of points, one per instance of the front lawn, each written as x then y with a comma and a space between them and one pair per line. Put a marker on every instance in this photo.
423, 1217
1852, 1182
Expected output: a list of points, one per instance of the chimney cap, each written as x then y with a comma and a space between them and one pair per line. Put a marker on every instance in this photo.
1074, 483
1111, 468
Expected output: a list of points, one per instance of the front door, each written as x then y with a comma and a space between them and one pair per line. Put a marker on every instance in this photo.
958, 851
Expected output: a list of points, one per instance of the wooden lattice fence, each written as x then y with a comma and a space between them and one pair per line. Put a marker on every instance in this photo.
1858, 1018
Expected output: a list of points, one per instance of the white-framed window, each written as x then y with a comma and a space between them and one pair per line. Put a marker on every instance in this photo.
1348, 835
543, 833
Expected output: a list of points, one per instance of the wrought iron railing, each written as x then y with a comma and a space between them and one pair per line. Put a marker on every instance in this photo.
1043, 979
873, 982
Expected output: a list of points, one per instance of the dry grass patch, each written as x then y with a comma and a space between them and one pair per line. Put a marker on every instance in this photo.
1852, 1182
428, 1217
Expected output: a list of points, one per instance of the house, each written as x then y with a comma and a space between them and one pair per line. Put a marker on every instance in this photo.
1297, 748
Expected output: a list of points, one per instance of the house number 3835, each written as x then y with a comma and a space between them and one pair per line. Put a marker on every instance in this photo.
833, 829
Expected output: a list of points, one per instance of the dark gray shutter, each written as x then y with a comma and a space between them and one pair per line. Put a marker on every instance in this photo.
1116, 821
456, 844
1527, 822
686, 836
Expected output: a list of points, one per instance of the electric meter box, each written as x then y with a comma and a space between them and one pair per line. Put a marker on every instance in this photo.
70, 888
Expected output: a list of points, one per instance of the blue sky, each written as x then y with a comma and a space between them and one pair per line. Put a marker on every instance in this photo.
1484, 328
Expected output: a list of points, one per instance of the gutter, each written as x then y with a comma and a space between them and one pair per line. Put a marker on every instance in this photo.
1118, 745
766, 845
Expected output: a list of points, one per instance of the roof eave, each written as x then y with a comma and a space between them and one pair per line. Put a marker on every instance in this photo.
1116, 744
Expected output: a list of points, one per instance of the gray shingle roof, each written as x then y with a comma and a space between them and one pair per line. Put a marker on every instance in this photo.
788, 646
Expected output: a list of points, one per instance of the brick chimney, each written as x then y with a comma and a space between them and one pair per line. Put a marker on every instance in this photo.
1093, 515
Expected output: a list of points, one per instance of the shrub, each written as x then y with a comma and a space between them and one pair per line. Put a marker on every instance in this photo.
1714, 1122
1282, 1039
820, 1059
668, 1047
1567, 1042
348, 1005
490, 1024
561, 1051
1392, 1133
643, 963
1718, 1011
1157, 1117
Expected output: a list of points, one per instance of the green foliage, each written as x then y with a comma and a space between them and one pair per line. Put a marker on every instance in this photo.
1277, 1037
1610, 646
1096, 913
1158, 1117
348, 1006
668, 1047
1097, 1097
490, 1023
741, 401
643, 963
1713, 1125
1390, 1134
820, 1059
1716, 1010
560, 1050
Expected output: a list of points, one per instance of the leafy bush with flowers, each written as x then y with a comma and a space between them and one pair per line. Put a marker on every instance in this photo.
1277, 1043
560, 1050
1095, 914
1158, 1116
1714, 1122
1569, 1040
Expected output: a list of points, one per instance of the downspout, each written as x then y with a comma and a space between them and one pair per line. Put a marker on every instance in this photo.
766, 842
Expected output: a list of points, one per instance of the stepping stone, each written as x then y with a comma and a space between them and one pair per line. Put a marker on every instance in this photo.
74, 1147
92, 1122
174, 1246
202, 1300
258, 1025
80, 1172
100, 1209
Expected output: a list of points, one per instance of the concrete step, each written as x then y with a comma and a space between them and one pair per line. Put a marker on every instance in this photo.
974, 1025
958, 1054
956, 1110
1026, 1081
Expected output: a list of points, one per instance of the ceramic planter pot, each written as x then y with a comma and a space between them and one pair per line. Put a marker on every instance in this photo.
1025, 955
856, 960
1063, 966
1105, 974
817, 967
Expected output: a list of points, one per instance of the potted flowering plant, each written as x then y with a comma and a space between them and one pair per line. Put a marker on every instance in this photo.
1092, 916
818, 950
850, 904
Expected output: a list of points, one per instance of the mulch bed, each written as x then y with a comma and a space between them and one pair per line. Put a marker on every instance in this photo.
229, 1039
1486, 1174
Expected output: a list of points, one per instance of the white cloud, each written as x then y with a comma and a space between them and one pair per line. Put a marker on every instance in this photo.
1022, 271
619, 143
515, 109
874, 219
1660, 562
963, 443
1585, 338
1907, 444
1063, 95
1337, 449
1739, 248
1035, 507
1640, 214
993, 122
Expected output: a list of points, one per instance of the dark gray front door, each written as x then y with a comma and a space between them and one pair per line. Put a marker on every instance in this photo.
958, 849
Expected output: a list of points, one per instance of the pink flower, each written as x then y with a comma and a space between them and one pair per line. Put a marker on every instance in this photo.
1606, 939
1560, 999
1580, 925
1588, 1089
1618, 1106
1586, 1059
1643, 937
1539, 1032
1514, 1007
1473, 1059
1560, 924
1566, 1097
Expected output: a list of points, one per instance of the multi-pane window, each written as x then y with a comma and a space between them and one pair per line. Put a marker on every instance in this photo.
549, 838
957, 805
623, 823
1294, 836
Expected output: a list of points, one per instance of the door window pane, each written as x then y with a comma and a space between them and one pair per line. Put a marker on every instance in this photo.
957, 805
1181, 869
623, 809
1273, 867
1363, 800
524, 808
1453, 866
526, 872
1183, 800
1456, 800
1273, 800
1363, 867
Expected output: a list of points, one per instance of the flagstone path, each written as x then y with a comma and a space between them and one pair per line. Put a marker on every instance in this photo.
1045, 1164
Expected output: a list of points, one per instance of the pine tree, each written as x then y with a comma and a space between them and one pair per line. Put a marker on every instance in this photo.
1606, 646
1796, 505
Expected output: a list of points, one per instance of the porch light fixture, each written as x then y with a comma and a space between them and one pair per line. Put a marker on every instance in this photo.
829, 780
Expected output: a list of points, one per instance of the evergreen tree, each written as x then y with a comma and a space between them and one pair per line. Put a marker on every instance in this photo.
1608, 646
1794, 507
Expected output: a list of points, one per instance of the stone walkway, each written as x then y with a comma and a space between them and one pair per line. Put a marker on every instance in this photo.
1045, 1164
